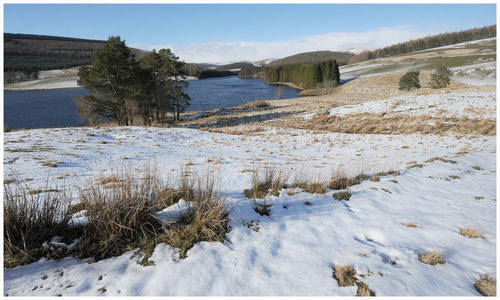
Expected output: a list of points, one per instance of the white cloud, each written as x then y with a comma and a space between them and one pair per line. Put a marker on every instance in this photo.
223, 52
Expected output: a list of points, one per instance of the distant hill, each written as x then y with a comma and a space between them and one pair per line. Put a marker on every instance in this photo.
342, 58
25, 52
429, 42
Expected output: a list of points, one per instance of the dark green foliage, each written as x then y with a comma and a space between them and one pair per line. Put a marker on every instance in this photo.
252, 72
306, 76
429, 42
441, 78
409, 81
124, 88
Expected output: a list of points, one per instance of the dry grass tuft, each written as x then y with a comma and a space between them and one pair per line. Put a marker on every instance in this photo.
207, 221
471, 233
441, 159
486, 285
344, 275
31, 219
268, 181
364, 290
340, 181
407, 224
431, 258
121, 215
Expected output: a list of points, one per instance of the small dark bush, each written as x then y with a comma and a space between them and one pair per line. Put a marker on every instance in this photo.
441, 78
342, 195
409, 81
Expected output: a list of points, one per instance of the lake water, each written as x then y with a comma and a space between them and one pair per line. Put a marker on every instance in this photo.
55, 108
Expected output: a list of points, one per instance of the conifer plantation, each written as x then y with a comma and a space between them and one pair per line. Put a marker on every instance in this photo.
306, 76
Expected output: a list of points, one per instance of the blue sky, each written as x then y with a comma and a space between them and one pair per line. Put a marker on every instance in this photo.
199, 33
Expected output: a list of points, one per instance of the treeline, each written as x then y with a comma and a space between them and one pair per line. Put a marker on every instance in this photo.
41, 63
26, 52
305, 76
429, 42
202, 73
127, 90
253, 72
342, 58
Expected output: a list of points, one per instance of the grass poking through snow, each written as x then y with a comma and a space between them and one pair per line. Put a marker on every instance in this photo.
431, 258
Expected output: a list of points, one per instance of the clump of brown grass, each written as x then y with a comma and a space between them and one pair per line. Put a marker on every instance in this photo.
309, 184
31, 219
340, 181
441, 159
486, 285
431, 258
364, 290
344, 275
471, 233
121, 215
207, 221
267, 181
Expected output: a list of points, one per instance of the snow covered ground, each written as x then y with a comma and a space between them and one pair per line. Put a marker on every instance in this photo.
451, 104
46, 83
293, 251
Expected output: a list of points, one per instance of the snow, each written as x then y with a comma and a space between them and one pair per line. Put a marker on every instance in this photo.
295, 248
45, 84
452, 104
174, 212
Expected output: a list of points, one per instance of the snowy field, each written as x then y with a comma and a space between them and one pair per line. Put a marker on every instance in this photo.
48, 81
294, 249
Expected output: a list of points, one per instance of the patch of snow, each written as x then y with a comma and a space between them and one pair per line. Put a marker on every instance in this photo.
452, 104
174, 212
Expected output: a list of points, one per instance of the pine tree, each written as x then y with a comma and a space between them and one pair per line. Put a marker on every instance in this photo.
409, 81
441, 78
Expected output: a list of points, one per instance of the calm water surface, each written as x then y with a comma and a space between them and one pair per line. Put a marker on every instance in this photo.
55, 108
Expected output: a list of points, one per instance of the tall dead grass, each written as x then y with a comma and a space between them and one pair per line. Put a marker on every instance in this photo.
266, 181
208, 218
29, 220
119, 216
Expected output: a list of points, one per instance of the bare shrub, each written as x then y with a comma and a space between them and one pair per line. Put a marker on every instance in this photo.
486, 285
431, 258
344, 275
471, 233
31, 219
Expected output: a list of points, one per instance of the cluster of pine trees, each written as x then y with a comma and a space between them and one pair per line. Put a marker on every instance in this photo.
305, 76
125, 89
434, 41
